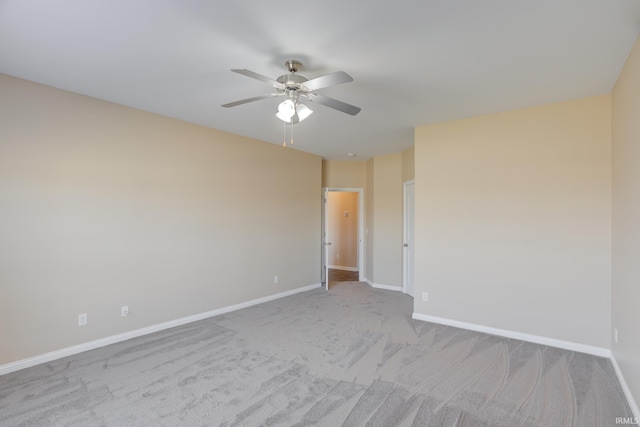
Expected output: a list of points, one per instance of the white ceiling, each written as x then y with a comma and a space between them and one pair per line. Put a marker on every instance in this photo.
413, 62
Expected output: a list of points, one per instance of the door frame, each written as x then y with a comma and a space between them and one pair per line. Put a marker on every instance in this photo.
405, 233
325, 226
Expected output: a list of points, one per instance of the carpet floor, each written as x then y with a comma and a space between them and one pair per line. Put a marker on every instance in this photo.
351, 356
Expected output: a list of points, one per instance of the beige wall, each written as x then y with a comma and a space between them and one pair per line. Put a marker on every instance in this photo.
343, 228
626, 221
513, 217
104, 206
343, 174
408, 164
368, 220
387, 220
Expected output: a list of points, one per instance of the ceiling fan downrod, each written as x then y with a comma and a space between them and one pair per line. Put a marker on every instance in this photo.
293, 66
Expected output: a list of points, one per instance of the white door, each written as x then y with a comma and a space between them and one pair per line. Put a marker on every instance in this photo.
408, 249
325, 243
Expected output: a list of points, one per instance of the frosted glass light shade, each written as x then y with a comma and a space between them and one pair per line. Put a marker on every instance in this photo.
303, 112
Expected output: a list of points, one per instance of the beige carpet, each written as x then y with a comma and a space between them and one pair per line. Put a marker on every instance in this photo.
351, 356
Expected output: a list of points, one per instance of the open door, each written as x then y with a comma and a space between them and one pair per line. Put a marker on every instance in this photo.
325, 244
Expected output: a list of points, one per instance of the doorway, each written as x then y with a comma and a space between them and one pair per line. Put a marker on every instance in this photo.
342, 231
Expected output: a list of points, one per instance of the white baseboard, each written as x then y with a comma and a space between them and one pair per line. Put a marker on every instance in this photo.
80, 348
342, 267
551, 342
381, 286
625, 387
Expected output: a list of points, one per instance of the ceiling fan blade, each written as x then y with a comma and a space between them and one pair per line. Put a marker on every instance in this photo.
260, 77
334, 103
245, 101
332, 79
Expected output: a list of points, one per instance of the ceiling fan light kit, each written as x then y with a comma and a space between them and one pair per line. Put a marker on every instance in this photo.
303, 111
294, 86
286, 110
293, 112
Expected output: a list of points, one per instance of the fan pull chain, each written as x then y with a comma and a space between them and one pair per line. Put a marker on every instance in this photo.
284, 134
291, 131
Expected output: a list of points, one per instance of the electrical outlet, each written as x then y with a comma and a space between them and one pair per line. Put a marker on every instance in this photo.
337, 256
615, 335
82, 319
275, 279
425, 296
124, 311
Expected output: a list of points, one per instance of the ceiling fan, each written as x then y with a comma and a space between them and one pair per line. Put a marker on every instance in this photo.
295, 87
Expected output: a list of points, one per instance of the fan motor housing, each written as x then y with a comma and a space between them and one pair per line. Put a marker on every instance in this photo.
291, 81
